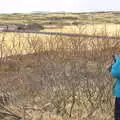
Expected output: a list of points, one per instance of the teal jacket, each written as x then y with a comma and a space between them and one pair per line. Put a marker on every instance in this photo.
115, 71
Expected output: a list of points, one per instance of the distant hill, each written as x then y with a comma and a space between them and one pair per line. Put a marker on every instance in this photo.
41, 12
61, 18
46, 12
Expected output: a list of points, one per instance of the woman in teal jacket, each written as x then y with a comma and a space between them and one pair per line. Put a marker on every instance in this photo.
115, 71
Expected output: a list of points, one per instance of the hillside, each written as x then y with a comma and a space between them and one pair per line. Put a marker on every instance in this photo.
62, 18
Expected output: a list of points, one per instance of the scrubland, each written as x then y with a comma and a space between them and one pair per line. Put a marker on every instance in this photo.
56, 77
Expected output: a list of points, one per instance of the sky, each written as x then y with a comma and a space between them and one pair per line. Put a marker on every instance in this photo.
26, 6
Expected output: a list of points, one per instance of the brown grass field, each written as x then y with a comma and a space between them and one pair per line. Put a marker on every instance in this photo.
98, 29
58, 77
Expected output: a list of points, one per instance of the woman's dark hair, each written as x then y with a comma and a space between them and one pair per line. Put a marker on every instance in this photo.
114, 59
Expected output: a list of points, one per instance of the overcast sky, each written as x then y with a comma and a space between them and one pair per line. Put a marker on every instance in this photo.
11, 6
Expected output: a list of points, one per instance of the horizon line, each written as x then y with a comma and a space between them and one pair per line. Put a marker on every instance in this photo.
87, 11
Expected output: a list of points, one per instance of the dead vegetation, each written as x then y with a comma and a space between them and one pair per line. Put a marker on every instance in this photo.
64, 78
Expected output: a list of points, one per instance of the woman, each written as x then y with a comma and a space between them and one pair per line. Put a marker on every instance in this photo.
115, 71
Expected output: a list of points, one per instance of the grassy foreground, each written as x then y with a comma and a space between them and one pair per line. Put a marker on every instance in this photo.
57, 77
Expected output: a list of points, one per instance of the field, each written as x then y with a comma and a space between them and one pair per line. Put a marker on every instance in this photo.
96, 29
62, 18
56, 77
86, 23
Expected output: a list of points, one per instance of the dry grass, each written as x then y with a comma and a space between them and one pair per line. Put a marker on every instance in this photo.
56, 78
96, 29
24, 43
